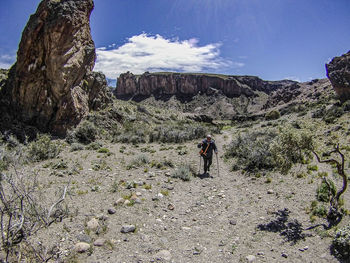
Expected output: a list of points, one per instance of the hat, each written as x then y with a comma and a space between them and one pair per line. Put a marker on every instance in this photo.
209, 136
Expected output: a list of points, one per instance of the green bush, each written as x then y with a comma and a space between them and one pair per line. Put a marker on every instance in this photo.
273, 115
270, 150
341, 243
324, 191
333, 113
184, 172
43, 148
85, 133
252, 151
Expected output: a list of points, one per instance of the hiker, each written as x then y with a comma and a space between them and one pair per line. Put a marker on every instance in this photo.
208, 146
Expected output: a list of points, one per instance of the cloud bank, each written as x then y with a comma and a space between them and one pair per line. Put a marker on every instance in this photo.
155, 53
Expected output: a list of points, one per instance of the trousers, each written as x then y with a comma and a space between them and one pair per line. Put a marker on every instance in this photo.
207, 162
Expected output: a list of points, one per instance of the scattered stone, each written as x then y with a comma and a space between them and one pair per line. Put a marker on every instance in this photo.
138, 193
112, 211
260, 253
171, 207
81, 247
233, 222
163, 255
137, 201
84, 238
170, 187
99, 242
92, 224
167, 174
160, 195
270, 191
120, 201
250, 258
127, 202
284, 255
128, 228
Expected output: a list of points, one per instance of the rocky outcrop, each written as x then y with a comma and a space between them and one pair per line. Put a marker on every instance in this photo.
185, 85
52, 86
338, 72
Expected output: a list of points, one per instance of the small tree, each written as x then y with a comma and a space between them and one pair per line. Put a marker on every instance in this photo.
334, 216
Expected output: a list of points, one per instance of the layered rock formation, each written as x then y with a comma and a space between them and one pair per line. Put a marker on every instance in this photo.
52, 85
338, 72
188, 85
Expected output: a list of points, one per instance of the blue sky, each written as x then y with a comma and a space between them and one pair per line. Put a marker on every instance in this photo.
272, 39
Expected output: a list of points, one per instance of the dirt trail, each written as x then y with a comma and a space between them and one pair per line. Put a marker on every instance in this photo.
207, 219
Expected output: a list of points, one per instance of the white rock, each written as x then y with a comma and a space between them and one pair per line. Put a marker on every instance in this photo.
163, 255
99, 242
120, 201
250, 258
92, 224
81, 247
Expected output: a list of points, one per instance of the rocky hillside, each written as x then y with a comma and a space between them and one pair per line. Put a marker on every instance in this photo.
52, 86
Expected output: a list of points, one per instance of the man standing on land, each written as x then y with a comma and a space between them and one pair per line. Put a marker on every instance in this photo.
208, 146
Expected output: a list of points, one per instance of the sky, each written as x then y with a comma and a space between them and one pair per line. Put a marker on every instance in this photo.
272, 39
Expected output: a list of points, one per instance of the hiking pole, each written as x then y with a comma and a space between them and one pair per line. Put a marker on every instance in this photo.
217, 162
200, 164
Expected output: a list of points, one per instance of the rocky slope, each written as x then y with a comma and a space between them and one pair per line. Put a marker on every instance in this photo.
338, 72
52, 86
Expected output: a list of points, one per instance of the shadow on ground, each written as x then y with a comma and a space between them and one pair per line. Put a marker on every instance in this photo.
290, 230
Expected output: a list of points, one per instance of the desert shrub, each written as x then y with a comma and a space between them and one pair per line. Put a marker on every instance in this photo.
341, 243
319, 113
184, 172
270, 150
252, 150
85, 132
43, 148
273, 115
325, 190
93, 146
139, 161
25, 209
76, 147
291, 147
333, 113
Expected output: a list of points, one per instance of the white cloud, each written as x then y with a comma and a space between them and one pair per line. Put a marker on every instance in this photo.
6, 61
294, 78
155, 53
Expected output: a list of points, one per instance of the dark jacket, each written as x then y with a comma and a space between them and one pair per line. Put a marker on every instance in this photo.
207, 148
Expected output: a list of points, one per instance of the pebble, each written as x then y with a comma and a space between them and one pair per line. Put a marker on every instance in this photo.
284, 255
163, 255
112, 211
120, 201
171, 207
99, 242
233, 222
261, 254
92, 224
160, 195
303, 249
81, 247
250, 258
84, 238
127, 202
128, 228
138, 193
270, 191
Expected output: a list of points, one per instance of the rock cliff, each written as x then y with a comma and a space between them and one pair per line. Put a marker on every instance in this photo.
338, 72
52, 86
186, 86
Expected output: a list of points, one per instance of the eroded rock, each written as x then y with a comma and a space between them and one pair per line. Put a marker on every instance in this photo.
338, 72
52, 86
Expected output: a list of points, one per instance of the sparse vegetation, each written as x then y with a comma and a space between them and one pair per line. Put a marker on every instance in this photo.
43, 148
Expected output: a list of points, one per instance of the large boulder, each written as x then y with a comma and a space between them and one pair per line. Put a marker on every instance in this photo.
338, 72
52, 86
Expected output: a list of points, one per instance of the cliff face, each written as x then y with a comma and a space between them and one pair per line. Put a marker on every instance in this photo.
188, 85
338, 72
52, 85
